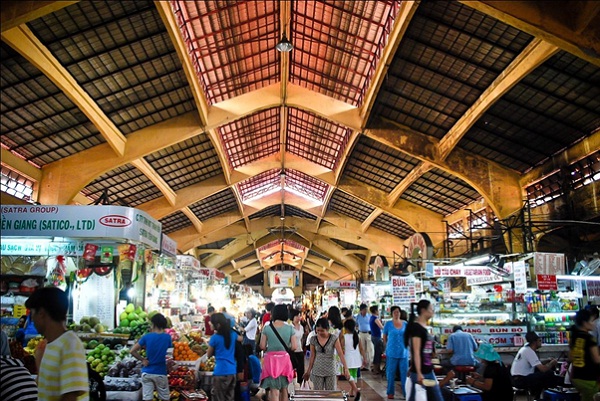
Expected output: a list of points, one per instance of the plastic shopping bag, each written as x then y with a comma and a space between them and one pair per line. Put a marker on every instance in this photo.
420, 392
306, 385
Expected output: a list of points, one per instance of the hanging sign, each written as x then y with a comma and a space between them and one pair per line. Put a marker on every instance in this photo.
329, 285
89, 252
404, 290
547, 282
188, 262
286, 278
549, 263
168, 246
520, 277
106, 254
80, 222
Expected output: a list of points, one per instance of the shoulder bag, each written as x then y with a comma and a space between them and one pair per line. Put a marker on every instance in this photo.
287, 349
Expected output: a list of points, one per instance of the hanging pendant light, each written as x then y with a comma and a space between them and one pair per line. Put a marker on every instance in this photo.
284, 45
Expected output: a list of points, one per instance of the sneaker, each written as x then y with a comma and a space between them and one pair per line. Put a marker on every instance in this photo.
357, 396
390, 396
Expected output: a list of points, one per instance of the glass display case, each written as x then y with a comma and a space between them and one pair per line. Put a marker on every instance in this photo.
551, 314
500, 323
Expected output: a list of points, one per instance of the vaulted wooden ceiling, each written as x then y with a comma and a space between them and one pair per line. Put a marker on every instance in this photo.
384, 119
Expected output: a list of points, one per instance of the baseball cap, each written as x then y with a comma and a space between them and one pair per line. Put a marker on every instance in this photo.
531, 337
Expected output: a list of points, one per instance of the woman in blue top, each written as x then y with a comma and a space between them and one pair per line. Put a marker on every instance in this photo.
395, 351
222, 346
154, 366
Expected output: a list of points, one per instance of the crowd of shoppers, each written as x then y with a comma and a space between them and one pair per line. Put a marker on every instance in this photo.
336, 343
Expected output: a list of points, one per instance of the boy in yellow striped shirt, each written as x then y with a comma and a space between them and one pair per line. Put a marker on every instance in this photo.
62, 367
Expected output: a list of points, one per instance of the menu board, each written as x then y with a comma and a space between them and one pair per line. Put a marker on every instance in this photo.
404, 290
96, 297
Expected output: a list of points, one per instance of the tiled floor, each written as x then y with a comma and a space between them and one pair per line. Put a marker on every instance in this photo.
374, 388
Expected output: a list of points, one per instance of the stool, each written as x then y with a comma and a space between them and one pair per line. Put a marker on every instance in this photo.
521, 391
467, 397
550, 395
461, 371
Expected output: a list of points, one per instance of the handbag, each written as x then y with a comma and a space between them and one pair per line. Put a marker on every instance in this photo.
287, 349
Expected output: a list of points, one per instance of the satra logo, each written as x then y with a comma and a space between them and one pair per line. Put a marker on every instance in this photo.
114, 220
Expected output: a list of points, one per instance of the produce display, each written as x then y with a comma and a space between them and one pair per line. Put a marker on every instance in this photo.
32, 344
88, 324
18, 352
118, 384
208, 365
100, 358
182, 378
128, 367
183, 352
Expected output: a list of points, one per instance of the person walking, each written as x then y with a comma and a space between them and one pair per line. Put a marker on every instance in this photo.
354, 355
250, 329
364, 334
585, 356
296, 316
60, 358
396, 352
422, 349
222, 346
376, 326
154, 366
322, 369
278, 371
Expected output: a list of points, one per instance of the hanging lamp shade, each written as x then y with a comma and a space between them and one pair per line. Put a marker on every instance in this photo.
284, 45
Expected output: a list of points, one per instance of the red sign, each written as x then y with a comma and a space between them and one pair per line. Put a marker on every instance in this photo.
89, 252
546, 282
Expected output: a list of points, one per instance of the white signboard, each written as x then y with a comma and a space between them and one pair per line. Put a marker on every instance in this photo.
188, 262
461, 271
70, 221
340, 284
549, 263
404, 290
492, 278
520, 276
168, 246
96, 297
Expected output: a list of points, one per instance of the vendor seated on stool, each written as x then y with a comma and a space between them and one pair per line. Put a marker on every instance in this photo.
495, 381
528, 372
461, 346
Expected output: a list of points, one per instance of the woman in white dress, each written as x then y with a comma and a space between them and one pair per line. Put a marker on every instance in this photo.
354, 355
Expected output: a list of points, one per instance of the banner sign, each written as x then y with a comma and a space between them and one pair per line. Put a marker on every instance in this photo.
492, 278
549, 263
332, 285
284, 278
520, 276
404, 290
547, 282
168, 246
488, 329
70, 221
461, 271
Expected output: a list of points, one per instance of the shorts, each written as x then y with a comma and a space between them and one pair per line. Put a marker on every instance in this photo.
151, 382
353, 374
